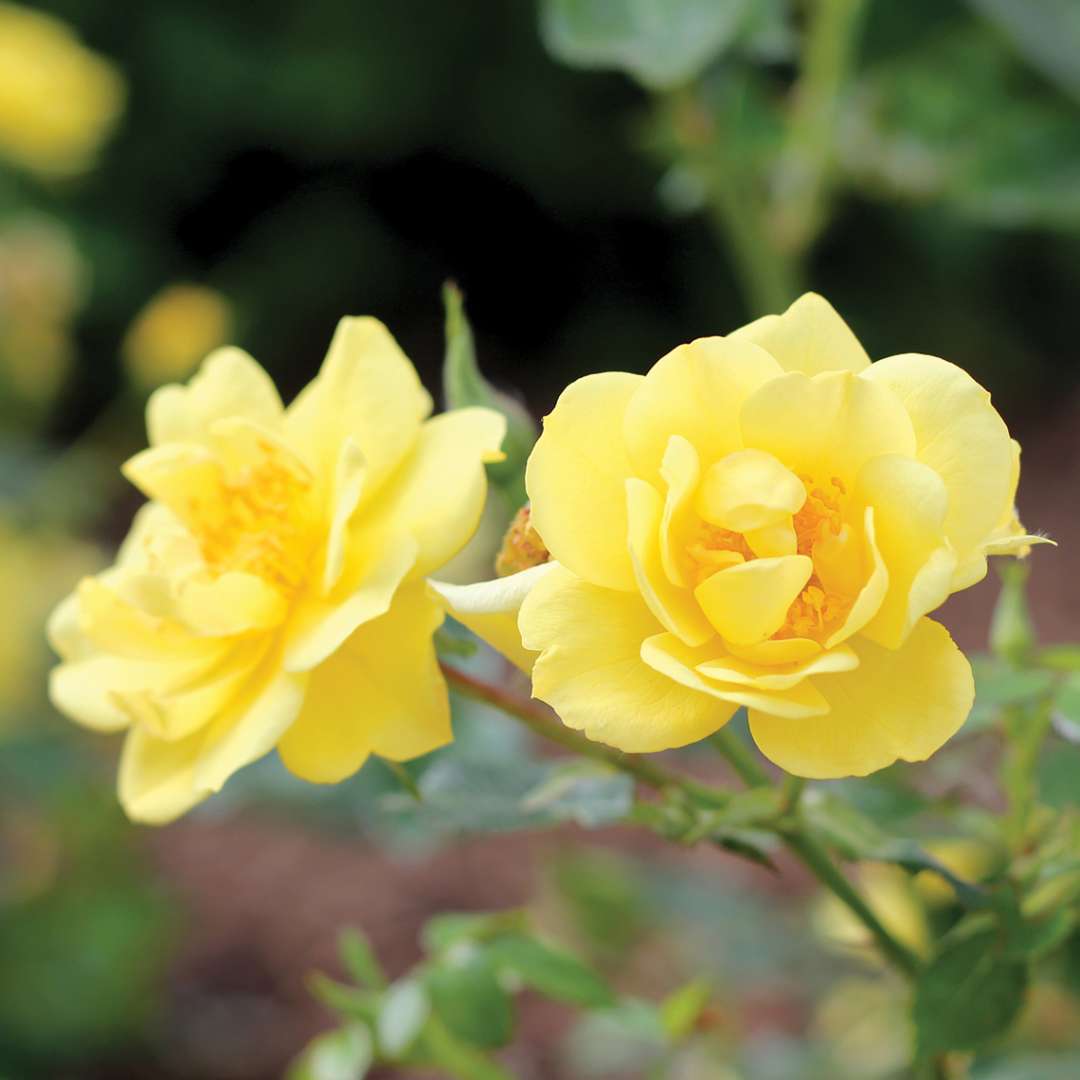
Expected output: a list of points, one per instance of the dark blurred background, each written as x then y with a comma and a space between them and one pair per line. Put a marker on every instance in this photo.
252, 172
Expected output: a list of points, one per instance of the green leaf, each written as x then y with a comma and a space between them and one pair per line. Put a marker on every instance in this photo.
464, 386
443, 932
681, 1010
359, 959
661, 43
552, 972
345, 1054
402, 1015
590, 793
969, 994
1037, 938
467, 996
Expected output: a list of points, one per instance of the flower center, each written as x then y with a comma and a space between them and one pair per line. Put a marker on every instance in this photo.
260, 522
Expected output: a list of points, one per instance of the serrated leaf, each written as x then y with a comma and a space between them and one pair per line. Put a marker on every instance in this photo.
681, 1010
661, 43
345, 1054
552, 972
464, 385
467, 996
402, 1014
968, 995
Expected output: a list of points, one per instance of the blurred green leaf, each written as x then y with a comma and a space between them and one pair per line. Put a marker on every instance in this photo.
345, 1054
1045, 32
1037, 938
590, 793
681, 1010
402, 1014
464, 386
467, 996
625, 1039
444, 932
552, 972
661, 43
968, 995
359, 959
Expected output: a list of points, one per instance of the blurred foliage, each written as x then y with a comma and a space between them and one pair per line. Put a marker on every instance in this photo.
177, 172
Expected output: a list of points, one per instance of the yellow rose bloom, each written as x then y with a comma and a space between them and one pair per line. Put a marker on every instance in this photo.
58, 100
762, 520
271, 593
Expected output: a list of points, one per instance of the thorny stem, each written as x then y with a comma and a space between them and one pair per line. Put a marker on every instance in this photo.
791, 831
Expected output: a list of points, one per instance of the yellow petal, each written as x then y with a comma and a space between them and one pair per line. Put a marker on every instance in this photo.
749, 490
673, 605
681, 472
960, 435
872, 594
230, 383
349, 478
591, 672
232, 603
184, 477
778, 677
322, 623
776, 650
898, 704
828, 425
490, 609
910, 504
679, 662
157, 778
809, 337
382, 692
437, 495
749, 602
252, 723
773, 540
695, 391
366, 390
576, 479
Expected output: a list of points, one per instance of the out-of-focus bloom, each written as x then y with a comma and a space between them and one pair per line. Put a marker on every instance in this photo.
969, 859
58, 100
895, 901
866, 1027
33, 569
42, 286
173, 332
272, 592
765, 520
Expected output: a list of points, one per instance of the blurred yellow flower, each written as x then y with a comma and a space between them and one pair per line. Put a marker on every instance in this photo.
969, 859
58, 100
765, 520
272, 592
173, 332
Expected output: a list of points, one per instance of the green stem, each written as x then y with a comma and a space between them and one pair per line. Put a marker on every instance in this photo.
538, 718
1026, 730
809, 852
807, 162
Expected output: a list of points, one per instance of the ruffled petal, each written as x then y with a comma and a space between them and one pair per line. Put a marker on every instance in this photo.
490, 609
681, 663
229, 383
382, 692
437, 495
809, 337
960, 435
576, 479
897, 704
366, 390
695, 391
909, 503
826, 426
673, 605
157, 777
749, 602
591, 672
681, 472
